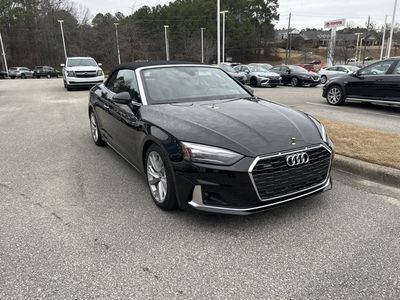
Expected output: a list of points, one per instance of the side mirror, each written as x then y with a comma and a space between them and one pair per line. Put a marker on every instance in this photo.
122, 98
99, 64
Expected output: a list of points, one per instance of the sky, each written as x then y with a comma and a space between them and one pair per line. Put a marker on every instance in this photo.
304, 13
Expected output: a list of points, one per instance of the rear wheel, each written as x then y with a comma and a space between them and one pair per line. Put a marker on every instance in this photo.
23, 76
159, 178
48, 75
334, 95
273, 85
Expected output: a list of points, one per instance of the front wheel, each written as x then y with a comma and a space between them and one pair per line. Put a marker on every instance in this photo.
273, 85
253, 82
294, 81
159, 178
48, 75
334, 95
94, 128
23, 76
323, 79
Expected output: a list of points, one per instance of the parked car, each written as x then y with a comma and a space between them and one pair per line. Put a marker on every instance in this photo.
334, 71
366, 84
81, 72
204, 142
259, 76
3, 74
45, 71
315, 62
22, 72
368, 58
240, 76
296, 76
352, 59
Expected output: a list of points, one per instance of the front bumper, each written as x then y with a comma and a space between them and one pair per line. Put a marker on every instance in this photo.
89, 81
255, 184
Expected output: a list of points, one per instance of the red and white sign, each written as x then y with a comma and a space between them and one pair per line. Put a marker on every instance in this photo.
334, 23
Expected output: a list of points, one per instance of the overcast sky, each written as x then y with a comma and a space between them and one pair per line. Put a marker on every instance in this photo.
304, 13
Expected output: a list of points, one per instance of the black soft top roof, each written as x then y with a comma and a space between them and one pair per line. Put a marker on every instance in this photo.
135, 65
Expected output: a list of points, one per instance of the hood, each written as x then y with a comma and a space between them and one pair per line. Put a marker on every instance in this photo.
268, 74
247, 127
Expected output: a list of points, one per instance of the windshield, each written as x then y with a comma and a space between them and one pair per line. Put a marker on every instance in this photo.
353, 68
258, 69
228, 68
297, 69
81, 62
177, 84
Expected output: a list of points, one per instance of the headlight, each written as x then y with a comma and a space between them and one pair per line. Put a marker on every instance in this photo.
209, 155
70, 73
99, 72
321, 129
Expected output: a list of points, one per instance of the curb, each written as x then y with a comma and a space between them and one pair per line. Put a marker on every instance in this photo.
381, 174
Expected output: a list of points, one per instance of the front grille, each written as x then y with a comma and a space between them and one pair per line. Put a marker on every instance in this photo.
85, 74
315, 77
274, 179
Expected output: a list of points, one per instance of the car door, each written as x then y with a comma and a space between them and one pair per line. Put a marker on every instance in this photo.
389, 83
121, 121
366, 83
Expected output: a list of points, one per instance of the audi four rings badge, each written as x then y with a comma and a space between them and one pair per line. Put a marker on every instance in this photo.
297, 159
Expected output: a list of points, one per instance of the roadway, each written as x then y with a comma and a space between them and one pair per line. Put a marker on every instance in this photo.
77, 222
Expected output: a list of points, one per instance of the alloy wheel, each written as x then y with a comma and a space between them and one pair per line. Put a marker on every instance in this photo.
156, 177
94, 128
334, 96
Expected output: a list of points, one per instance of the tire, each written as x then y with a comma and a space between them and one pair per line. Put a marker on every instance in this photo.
48, 75
323, 79
57, 75
253, 82
94, 129
273, 85
159, 178
23, 76
334, 95
12, 77
313, 85
294, 81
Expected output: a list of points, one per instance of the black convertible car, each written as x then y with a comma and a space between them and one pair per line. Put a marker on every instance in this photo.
204, 142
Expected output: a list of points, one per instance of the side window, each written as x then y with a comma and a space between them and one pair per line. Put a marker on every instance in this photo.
397, 68
376, 69
124, 81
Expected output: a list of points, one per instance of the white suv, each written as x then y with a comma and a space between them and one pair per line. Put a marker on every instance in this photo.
81, 72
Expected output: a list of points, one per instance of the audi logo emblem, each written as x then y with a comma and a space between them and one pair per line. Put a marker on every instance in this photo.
297, 159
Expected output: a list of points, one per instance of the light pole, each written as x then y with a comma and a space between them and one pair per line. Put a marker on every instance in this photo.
4, 54
166, 42
116, 34
358, 39
223, 34
383, 37
218, 33
202, 45
62, 34
359, 51
391, 29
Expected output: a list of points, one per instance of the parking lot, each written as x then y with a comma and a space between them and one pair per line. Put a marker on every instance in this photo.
77, 221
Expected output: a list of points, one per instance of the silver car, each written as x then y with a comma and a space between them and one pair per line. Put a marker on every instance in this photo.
22, 72
259, 76
335, 71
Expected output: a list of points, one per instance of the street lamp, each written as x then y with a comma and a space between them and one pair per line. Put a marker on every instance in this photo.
383, 37
166, 42
223, 34
116, 34
62, 34
391, 29
202, 45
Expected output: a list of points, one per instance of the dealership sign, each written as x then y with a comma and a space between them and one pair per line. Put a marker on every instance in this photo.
335, 23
